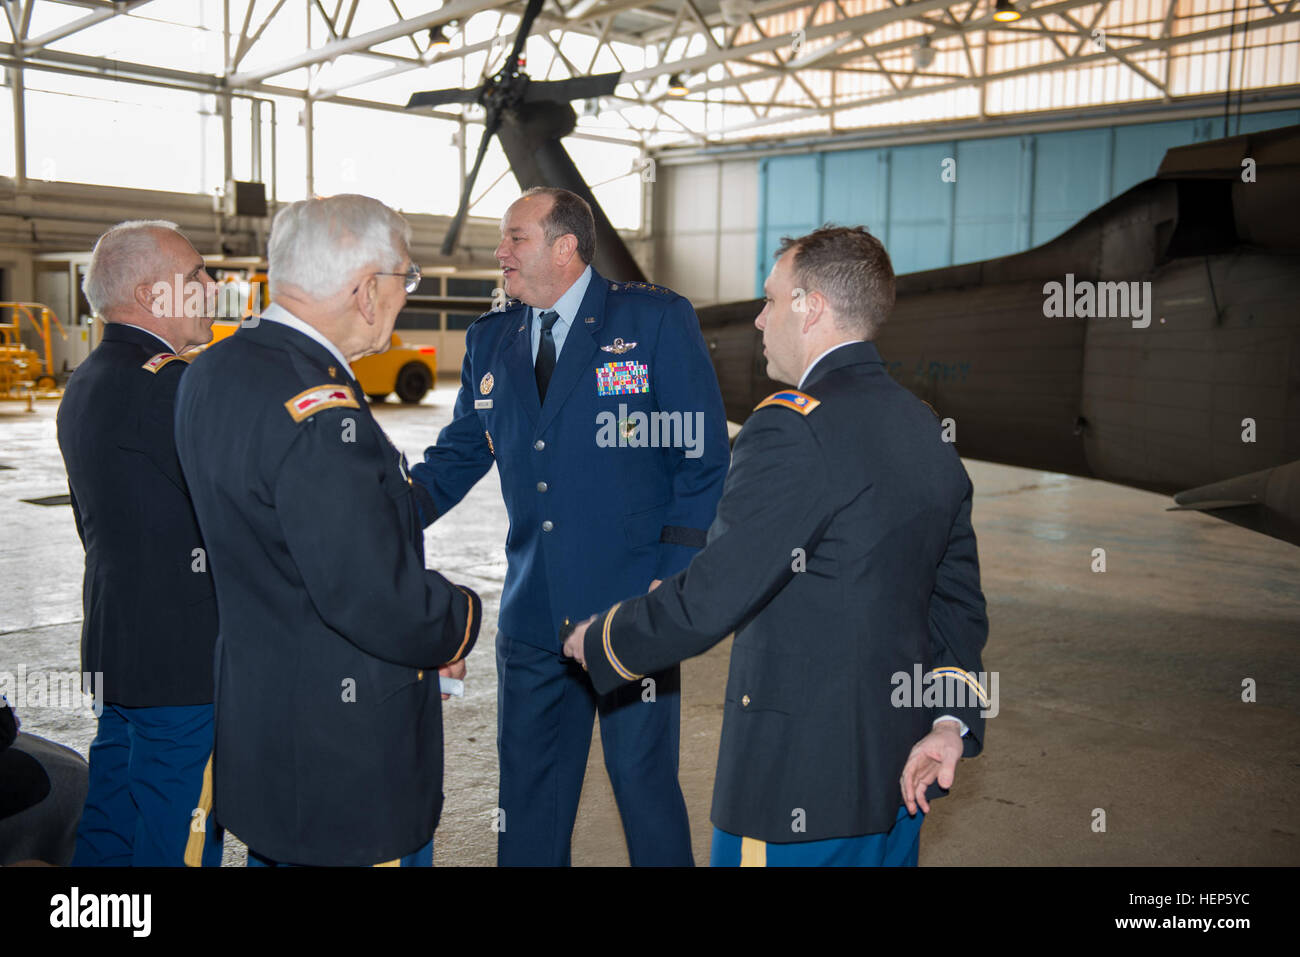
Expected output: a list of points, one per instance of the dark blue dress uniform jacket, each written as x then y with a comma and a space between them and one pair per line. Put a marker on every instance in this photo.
150, 613
854, 472
328, 713
588, 523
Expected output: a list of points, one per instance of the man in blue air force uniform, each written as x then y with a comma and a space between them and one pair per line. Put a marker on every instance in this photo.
599, 405
329, 719
150, 615
843, 558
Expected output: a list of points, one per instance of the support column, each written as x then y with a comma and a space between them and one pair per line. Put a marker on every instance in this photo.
20, 123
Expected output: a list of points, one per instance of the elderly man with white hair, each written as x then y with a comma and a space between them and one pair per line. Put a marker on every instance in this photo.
333, 633
150, 620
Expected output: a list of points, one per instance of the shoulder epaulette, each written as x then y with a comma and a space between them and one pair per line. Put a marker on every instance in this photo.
160, 360
510, 306
643, 287
801, 402
318, 398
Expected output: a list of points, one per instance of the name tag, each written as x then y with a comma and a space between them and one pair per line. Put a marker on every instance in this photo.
482, 403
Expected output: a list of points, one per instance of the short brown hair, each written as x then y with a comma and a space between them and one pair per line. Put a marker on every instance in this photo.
850, 267
569, 214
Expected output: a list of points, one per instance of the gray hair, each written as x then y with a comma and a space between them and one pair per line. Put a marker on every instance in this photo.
317, 244
124, 257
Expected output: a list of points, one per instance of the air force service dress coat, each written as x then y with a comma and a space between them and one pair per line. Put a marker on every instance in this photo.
328, 712
603, 494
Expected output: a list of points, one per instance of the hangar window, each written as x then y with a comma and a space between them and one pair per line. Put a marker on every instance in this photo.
87, 130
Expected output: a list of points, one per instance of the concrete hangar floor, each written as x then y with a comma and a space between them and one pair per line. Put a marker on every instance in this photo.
1119, 691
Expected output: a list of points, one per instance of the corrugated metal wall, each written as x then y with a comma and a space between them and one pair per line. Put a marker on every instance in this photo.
1009, 194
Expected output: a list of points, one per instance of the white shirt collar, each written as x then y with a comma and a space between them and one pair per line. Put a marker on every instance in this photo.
170, 347
812, 365
277, 313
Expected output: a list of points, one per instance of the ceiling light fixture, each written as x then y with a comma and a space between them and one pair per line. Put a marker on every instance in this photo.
923, 54
1004, 12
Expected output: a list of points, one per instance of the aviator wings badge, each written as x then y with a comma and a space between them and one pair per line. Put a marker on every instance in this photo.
619, 347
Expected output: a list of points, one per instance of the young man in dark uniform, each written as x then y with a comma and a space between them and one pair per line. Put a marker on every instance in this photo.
842, 557
150, 615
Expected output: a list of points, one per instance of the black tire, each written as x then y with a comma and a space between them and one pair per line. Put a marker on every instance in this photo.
376, 398
413, 381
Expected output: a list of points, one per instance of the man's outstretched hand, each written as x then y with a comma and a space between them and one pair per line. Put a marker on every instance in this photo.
933, 758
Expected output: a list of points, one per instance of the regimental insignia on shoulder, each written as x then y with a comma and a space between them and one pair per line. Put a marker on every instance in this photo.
801, 402
319, 398
160, 360
618, 347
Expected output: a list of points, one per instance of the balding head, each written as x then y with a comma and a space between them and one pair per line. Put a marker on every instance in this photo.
139, 273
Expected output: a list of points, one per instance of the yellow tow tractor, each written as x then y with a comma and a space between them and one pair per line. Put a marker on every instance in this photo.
410, 372
25, 373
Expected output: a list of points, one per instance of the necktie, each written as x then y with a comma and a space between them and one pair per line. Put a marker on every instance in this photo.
545, 354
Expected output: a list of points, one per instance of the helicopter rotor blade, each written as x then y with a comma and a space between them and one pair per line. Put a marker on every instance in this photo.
491, 124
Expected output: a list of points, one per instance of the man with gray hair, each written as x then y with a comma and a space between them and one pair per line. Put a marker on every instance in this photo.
333, 633
150, 615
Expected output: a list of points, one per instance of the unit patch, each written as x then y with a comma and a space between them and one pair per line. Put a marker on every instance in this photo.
791, 399
622, 378
485, 384
319, 398
160, 360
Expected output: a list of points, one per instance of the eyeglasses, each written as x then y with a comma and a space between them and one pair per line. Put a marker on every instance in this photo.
412, 277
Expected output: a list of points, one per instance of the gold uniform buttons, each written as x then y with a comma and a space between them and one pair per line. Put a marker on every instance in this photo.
744, 702
420, 675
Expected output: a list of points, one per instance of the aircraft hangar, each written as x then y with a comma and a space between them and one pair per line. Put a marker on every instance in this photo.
1091, 209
